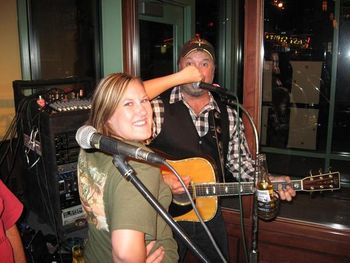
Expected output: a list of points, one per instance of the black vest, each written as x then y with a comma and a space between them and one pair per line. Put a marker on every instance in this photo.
179, 138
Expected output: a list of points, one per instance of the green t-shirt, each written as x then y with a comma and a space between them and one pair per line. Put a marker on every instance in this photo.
111, 202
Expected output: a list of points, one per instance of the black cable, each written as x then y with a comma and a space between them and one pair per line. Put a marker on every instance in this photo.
26, 121
50, 209
225, 99
10, 135
254, 250
242, 228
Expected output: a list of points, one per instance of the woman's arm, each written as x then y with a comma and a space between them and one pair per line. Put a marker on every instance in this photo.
129, 246
156, 86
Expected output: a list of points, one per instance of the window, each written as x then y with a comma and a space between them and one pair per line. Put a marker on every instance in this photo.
63, 39
305, 104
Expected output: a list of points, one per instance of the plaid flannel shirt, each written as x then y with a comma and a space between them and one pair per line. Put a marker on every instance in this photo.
239, 160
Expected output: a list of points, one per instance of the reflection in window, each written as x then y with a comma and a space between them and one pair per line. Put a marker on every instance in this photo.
298, 42
300, 113
306, 100
297, 83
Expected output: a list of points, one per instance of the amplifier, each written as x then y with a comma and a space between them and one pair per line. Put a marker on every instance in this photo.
50, 115
51, 186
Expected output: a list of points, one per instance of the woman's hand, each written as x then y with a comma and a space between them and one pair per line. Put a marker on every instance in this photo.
156, 256
190, 74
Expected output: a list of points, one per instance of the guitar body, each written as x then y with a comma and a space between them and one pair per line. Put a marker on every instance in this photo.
201, 171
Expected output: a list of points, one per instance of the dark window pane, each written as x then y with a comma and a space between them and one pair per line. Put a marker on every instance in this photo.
297, 74
156, 40
343, 167
294, 166
298, 102
64, 38
341, 127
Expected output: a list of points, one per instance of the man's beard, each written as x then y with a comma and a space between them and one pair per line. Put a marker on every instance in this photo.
192, 91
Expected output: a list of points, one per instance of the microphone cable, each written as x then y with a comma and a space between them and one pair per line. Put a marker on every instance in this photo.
231, 99
224, 98
254, 252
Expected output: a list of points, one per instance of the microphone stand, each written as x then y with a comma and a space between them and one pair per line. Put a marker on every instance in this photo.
230, 99
129, 174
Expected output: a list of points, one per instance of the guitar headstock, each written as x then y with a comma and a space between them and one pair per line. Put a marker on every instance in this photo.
322, 182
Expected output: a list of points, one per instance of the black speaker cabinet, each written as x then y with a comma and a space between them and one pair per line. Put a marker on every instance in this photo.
49, 116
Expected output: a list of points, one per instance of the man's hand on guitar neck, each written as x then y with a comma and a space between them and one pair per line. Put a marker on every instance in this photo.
173, 182
285, 193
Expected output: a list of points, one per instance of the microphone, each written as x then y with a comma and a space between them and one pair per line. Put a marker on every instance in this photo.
88, 138
213, 88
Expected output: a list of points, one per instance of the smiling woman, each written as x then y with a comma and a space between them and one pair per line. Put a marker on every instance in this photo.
122, 225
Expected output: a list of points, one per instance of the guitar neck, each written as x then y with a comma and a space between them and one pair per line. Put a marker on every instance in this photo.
244, 188
297, 185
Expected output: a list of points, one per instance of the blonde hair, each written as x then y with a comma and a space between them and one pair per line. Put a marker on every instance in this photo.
106, 98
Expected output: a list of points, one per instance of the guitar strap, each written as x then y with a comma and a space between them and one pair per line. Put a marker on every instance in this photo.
217, 133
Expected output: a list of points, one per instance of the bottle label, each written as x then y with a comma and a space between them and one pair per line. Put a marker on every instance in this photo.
263, 196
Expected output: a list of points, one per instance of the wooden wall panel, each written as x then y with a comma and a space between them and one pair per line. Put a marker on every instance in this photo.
131, 59
286, 240
253, 59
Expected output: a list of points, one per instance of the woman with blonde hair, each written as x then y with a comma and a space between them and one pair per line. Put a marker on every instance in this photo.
123, 227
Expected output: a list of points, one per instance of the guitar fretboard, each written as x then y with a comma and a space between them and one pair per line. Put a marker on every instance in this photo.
296, 184
222, 189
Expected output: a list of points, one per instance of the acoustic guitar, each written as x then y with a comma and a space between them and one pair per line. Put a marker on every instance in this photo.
205, 190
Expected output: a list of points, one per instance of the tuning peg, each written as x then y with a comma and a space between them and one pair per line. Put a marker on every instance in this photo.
311, 178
